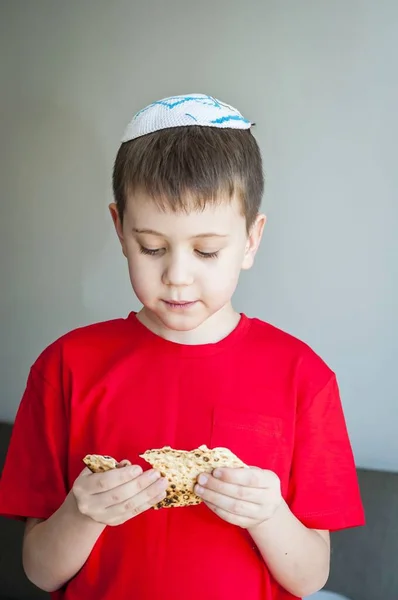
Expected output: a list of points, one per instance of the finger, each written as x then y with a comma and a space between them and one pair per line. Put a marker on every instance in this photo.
228, 504
233, 490
84, 473
139, 502
122, 493
98, 483
248, 477
240, 521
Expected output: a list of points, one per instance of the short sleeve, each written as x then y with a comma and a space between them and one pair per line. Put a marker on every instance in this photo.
323, 490
32, 483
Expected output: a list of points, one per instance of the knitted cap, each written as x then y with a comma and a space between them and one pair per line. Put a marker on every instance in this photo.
178, 111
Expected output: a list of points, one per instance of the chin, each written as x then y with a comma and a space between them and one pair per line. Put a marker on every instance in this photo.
181, 322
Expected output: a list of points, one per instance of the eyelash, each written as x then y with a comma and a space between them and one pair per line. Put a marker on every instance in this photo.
206, 254
150, 252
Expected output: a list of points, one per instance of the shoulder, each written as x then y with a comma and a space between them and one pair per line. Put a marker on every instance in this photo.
290, 355
273, 338
83, 346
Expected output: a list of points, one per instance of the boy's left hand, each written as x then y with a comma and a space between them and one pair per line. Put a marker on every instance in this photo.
243, 497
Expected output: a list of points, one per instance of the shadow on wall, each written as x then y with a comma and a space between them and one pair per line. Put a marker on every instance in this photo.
55, 184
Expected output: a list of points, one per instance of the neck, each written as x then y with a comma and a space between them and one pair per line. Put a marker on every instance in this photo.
214, 329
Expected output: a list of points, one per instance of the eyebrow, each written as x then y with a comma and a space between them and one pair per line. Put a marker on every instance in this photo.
200, 235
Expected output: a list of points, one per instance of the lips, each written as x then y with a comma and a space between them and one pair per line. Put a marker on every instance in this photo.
179, 303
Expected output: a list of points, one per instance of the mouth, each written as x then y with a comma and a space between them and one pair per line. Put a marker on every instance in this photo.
179, 305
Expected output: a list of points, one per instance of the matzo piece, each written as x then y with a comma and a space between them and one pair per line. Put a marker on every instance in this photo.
182, 468
98, 463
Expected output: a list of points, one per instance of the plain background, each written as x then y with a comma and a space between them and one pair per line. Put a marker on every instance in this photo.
320, 80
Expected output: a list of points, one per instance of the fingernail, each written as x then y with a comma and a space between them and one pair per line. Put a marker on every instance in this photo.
199, 490
135, 471
203, 479
154, 474
217, 474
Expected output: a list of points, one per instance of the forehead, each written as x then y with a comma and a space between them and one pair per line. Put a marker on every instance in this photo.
222, 217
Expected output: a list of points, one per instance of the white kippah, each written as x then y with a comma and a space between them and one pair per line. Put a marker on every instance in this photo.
178, 111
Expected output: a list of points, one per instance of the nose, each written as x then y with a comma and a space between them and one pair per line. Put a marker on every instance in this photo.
178, 271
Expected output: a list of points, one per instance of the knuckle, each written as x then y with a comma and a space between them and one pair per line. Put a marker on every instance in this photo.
240, 492
254, 479
141, 483
128, 473
77, 488
83, 507
128, 506
271, 478
131, 508
100, 484
122, 475
277, 483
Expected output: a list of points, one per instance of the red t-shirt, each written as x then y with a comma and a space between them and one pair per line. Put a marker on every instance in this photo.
116, 388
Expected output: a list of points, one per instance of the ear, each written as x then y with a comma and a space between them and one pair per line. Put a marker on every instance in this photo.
253, 241
118, 225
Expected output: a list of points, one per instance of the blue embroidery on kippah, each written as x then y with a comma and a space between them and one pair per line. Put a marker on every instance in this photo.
230, 118
174, 101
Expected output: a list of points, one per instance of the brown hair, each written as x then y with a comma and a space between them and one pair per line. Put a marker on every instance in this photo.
202, 163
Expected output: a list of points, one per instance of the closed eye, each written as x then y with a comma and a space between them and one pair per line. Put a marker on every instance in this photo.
150, 251
159, 251
207, 254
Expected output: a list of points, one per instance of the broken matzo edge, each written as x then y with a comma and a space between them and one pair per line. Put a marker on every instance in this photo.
98, 463
182, 468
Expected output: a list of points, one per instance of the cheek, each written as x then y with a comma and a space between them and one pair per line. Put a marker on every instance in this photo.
142, 274
224, 277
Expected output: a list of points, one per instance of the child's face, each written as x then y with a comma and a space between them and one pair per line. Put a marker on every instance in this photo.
184, 267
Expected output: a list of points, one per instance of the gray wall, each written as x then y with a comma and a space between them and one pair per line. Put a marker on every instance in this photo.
319, 78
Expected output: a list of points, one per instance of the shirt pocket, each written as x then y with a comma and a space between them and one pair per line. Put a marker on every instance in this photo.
254, 437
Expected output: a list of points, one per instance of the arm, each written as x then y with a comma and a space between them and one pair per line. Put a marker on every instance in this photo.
55, 549
297, 557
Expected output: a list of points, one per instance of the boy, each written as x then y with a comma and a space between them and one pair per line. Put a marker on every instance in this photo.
185, 370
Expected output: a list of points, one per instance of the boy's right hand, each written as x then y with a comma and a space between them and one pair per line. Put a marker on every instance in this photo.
115, 496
